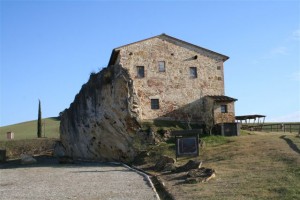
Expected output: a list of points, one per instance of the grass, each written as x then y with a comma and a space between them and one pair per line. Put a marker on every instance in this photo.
28, 130
14, 148
25, 137
215, 140
251, 166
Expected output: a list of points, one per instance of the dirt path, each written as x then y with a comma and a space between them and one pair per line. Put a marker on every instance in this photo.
79, 181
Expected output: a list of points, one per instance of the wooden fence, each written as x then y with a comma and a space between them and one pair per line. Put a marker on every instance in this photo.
282, 127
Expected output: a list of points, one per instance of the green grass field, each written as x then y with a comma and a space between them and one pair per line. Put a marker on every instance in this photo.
28, 130
255, 165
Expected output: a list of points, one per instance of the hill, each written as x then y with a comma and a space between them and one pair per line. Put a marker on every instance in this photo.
28, 130
255, 165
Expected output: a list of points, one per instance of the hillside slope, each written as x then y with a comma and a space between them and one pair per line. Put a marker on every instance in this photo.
28, 130
255, 166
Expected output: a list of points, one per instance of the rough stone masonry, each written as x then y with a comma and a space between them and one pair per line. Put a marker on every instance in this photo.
157, 78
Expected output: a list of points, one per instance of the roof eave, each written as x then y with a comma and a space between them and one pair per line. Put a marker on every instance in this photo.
166, 37
222, 98
113, 56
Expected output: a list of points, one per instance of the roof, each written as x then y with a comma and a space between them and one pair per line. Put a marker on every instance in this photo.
221, 98
170, 39
244, 117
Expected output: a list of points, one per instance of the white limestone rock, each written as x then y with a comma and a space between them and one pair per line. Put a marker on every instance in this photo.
102, 121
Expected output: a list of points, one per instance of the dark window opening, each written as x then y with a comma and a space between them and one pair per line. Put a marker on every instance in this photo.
161, 66
219, 68
224, 109
140, 71
155, 104
193, 72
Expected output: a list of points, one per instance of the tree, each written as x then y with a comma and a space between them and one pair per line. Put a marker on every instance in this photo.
189, 118
208, 114
39, 123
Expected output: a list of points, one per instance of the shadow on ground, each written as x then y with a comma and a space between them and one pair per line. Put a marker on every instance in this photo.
291, 144
49, 161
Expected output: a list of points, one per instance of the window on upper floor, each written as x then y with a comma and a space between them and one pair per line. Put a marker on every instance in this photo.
193, 72
161, 66
140, 71
154, 104
218, 67
224, 109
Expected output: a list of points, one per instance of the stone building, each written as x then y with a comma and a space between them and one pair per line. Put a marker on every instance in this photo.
157, 78
172, 78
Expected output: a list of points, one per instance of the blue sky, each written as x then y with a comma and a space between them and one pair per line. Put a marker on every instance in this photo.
49, 48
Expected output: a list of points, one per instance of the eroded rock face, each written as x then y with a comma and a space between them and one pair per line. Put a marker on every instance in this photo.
101, 122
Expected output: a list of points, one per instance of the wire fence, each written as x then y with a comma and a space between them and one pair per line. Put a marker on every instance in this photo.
282, 127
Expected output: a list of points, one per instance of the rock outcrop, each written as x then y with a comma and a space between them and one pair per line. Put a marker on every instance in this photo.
102, 121
162, 162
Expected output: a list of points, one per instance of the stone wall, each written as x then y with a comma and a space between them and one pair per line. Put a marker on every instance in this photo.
174, 88
228, 117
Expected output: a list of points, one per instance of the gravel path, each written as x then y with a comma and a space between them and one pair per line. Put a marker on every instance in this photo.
77, 181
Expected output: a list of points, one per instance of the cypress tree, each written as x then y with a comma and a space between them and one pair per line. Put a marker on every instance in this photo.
39, 123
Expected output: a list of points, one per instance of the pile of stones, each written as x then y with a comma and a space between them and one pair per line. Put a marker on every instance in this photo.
193, 170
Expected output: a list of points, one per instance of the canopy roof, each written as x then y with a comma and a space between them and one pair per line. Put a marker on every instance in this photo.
245, 117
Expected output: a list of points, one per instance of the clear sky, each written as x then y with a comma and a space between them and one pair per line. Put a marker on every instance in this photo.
49, 49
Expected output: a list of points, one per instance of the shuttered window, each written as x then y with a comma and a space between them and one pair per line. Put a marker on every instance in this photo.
154, 104
161, 66
140, 71
193, 72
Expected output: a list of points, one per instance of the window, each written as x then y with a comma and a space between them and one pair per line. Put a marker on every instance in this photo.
140, 71
193, 72
161, 66
155, 104
218, 67
223, 108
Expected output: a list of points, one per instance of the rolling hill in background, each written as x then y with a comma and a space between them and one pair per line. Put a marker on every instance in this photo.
28, 130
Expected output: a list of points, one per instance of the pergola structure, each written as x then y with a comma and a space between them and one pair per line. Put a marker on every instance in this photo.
251, 122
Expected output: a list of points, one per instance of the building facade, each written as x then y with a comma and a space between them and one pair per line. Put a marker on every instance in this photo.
172, 79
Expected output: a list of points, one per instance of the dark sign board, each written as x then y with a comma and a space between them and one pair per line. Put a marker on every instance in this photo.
186, 143
187, 146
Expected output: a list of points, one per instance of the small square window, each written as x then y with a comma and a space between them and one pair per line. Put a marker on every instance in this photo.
218, 67
154, 104
193, 72
161, 66
223, 108
140, 71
